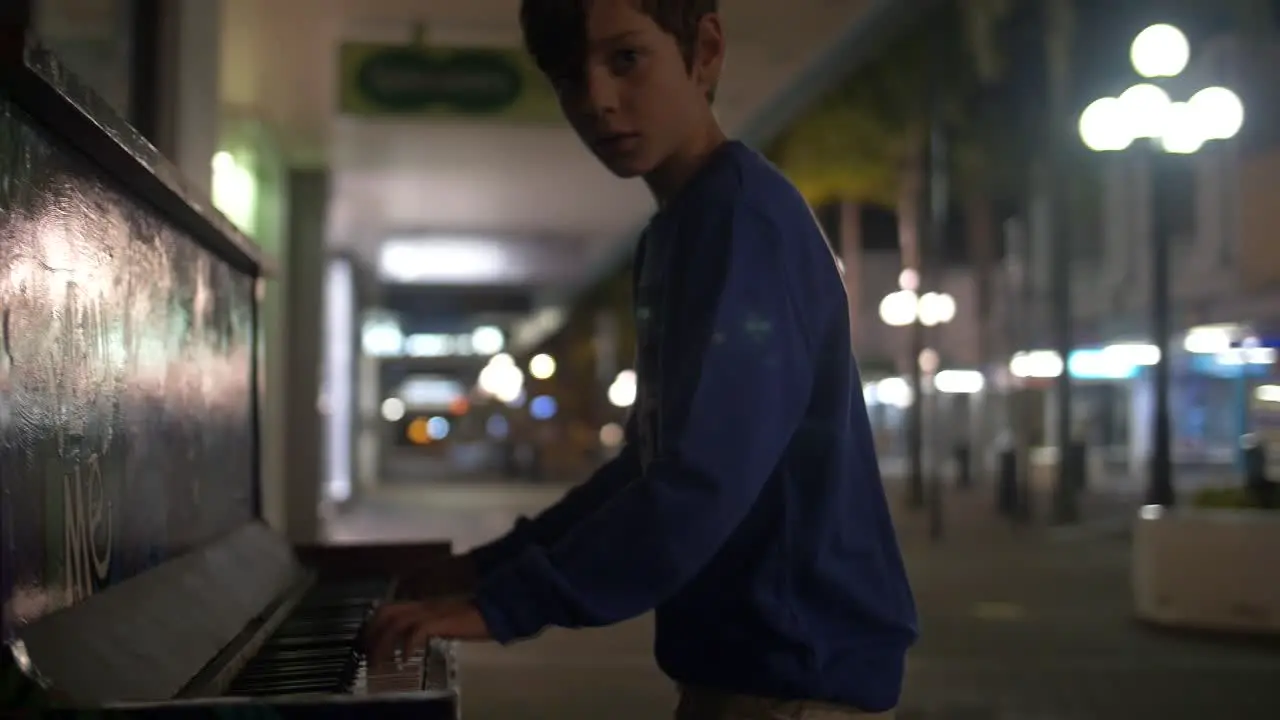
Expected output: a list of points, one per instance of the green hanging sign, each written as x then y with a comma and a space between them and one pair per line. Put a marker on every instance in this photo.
421, 81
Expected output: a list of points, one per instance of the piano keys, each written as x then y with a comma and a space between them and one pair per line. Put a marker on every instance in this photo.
233, 628
314, 650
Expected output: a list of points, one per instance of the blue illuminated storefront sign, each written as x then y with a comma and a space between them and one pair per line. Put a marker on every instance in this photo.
1098, 364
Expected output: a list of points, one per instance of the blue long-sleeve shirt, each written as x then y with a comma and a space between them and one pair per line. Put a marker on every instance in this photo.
747, 506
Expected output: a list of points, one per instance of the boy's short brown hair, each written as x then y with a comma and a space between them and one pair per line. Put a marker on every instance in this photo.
555, 31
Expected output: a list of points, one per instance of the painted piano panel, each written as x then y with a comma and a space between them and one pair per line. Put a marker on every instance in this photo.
126, 372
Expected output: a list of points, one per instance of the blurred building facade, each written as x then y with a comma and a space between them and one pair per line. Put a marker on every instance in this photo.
1216, 209
167, 72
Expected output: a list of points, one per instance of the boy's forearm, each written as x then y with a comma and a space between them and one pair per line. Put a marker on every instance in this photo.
554, 522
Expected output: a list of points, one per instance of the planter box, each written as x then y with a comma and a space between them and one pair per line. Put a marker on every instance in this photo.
1208, 569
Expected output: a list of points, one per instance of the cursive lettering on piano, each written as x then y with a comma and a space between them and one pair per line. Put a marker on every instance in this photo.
88, 529
88, 525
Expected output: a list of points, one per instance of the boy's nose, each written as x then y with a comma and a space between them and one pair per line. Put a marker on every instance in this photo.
601, 96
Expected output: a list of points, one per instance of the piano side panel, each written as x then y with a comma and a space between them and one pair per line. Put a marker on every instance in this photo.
126, 356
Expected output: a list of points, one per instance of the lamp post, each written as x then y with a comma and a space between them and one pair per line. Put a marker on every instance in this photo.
906, 307
1147, 114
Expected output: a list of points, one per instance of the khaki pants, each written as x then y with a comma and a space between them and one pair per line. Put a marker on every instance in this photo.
703, 704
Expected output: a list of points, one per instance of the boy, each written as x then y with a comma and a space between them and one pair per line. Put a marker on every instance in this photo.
746, 506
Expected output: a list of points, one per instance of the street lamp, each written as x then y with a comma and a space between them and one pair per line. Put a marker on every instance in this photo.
622, 392
501, 379
542, 366
1147, 112
903, 307
1160, 51
907, 307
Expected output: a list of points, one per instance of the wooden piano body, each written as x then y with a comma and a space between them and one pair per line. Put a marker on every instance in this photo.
136, 576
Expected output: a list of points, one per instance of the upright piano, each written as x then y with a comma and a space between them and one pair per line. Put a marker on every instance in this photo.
240, 624
136, 574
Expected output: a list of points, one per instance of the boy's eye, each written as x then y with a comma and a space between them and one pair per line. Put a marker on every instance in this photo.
619, 62
623, 61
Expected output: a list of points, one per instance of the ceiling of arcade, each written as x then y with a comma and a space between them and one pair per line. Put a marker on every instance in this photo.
523, 185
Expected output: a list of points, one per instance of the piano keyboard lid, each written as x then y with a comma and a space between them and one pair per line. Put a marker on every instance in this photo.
146, 638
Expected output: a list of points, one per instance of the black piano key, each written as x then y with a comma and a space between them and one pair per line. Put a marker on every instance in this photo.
300, 650
319, 630
352, 615
260, 664
279, 675
329, 686
327, 675
327, 640
356, 611
338, 603
311, 625
296, 660
301, 655
295, 666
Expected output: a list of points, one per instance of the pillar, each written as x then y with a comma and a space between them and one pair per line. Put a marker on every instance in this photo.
347, 301
337, 386
1141, 404
94, 40
849, 248
188, 99
1051, 419
606, 346
370, 423
299, 342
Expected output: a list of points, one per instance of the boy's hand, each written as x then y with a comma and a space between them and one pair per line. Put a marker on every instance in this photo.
454, 575
407, 627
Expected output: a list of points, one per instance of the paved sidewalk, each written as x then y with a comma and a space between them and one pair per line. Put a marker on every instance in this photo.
1028, 624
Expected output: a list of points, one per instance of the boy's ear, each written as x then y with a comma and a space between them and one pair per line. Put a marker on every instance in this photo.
708, 54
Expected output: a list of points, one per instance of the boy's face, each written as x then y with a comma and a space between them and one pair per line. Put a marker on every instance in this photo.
637, 102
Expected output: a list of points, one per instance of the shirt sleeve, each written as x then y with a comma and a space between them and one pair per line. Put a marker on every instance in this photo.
554, 522
739, 383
